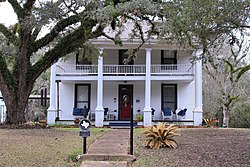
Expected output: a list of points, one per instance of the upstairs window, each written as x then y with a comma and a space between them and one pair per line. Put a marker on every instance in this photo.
169, 57
123, 56
81, 59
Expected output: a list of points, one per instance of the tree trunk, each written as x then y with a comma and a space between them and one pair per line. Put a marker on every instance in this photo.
15, 108
225, 116
15, 116
15, 97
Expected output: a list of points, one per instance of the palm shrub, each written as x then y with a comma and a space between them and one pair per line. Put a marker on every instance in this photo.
241, 116
210, 121
159, 136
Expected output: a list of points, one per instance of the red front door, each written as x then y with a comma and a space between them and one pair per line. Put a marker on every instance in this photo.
125, 101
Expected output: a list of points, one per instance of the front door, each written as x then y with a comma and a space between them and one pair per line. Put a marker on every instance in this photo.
125, 101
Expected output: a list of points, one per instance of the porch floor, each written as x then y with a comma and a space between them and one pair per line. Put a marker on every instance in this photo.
126, 124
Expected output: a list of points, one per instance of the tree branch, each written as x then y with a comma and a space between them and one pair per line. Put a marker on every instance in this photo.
238, 25
67, 44
97, 33
5, 75
242, 71
35, 33
59, 27
28, 5
17, 8
115, 40
213, 76
9, 35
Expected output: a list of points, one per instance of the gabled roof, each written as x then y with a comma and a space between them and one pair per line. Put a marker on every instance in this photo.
128, 41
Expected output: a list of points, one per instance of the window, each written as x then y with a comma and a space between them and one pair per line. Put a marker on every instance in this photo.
82, 95
123, 56
169, 57
169, 96
81, 59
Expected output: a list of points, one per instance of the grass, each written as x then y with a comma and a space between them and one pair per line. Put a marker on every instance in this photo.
142, 160
72, 157
43, 147
58, 147
146, 161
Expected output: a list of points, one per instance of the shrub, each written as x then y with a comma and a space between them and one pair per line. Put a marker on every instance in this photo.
72, 157
210, 121
159, 136
241, 117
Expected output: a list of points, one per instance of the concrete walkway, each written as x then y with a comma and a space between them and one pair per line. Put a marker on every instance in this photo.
110, 150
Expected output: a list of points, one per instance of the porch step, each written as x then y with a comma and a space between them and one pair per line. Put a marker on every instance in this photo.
121, 124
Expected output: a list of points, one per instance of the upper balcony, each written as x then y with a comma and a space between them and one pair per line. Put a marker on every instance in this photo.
120, 71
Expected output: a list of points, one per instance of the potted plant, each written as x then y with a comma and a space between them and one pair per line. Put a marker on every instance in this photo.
43, 123
152, 112
76, 120
139, 118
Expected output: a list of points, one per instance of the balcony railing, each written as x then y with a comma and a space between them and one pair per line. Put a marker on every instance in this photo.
180, 69
76, 69
124, 69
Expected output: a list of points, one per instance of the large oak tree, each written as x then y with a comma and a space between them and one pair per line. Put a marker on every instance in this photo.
54, 28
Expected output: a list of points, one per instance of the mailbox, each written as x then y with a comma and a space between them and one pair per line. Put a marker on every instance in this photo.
84, 133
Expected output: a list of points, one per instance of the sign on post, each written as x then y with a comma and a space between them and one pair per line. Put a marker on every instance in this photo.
85, 125
85, 128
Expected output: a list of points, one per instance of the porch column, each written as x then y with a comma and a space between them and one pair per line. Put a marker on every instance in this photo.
2, 110
99, 111
51, 115
147, 109
57, 100
198, 89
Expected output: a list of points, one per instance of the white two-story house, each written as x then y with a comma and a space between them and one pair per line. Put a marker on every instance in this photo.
161, 76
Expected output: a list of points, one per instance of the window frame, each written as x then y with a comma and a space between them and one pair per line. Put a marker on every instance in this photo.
84, 61
170, 59
123, 56
162, 96
76, 94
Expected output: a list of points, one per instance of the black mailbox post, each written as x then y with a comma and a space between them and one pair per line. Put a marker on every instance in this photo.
85, 125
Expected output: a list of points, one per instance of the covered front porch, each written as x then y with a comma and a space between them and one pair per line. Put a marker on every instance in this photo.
120, 98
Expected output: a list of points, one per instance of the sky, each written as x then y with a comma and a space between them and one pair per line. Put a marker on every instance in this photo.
7, 15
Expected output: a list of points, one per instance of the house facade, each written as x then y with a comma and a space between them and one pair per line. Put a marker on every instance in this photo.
160, 76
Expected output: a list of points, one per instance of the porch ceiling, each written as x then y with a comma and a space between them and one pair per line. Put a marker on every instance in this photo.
181, 78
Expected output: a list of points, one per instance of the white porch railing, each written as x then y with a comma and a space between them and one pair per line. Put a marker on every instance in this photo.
124, 69
180, 69
76, 69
